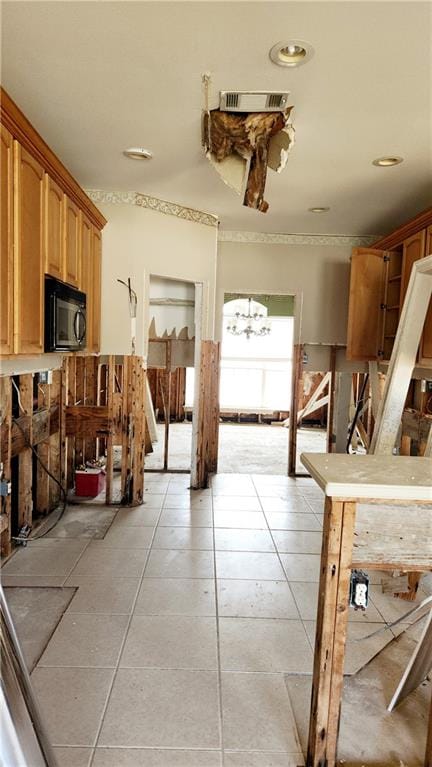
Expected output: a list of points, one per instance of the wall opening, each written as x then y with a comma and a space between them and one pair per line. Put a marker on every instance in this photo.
171, 353
255, 383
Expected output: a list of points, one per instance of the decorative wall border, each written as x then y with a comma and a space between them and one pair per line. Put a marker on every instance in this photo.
268, 238
208, 219
153, 203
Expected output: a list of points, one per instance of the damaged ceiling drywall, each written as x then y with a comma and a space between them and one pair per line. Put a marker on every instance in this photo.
241, 146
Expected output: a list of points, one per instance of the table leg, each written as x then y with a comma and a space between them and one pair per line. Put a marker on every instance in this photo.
332, 618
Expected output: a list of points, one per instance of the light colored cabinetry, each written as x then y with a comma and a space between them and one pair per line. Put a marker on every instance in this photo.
413, 249
96, 292
54, 235
378, 284
6, 253
365, 319
43, 211
91, 281
72, 243
425, 357
28, 245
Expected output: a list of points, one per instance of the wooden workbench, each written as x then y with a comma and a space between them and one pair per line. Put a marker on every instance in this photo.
397, 536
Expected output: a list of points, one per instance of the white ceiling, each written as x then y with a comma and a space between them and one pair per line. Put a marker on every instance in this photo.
97, 77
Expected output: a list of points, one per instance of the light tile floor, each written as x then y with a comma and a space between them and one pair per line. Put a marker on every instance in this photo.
186, 617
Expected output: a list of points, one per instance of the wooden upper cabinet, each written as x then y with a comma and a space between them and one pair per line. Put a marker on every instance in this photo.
96, 288
413, 249
54, 209
425, 353
366, 298
72, 243
6, 252
86, 276
28, 276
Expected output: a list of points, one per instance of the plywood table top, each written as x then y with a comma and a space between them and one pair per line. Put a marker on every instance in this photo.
377, 477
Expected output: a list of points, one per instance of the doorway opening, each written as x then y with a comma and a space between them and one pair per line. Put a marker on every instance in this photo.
171, 354
255, 383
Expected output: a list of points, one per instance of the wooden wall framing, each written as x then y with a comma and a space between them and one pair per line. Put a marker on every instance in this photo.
30, 418
208, 413
91, 404
105, 408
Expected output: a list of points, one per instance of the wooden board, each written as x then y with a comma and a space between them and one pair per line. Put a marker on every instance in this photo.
372, 477
296, 393
82, 421
5, 453
393, 537
208, 412
332, 619
25, 499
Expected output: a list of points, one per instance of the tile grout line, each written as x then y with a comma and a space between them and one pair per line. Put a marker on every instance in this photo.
219, 666
277, 553
104, 710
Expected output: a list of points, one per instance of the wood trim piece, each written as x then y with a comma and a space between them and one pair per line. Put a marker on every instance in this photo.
25, 475
5, 454
7, 243
330, 637
24, 132
420, 221
296, 394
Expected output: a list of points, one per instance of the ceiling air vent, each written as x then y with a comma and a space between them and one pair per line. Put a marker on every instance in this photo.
253, 101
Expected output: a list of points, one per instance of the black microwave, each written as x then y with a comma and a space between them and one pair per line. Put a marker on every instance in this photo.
65, 317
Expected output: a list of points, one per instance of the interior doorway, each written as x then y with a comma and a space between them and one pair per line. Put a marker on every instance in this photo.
171, 354
255, 383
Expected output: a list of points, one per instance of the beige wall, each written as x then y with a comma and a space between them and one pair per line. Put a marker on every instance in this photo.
137, 243
317, 275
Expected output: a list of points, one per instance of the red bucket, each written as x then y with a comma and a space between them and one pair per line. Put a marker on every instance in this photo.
89, 482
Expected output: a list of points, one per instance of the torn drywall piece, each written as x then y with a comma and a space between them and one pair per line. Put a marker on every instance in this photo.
247, 136
233, 170
184, 334
152, 329
279, 148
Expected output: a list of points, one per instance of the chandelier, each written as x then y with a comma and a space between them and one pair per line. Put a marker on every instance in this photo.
250, 324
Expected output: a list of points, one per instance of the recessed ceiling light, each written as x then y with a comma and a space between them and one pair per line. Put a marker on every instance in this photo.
318, 210
292, 53
387, 162
138, 153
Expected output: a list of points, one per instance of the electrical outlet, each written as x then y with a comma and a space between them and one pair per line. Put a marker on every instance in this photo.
5, 488
359, 590
45, 377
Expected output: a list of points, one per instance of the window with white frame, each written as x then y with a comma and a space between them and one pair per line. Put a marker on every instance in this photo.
255, 371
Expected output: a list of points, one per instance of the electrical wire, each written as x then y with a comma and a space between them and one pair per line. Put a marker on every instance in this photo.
63, 493
401, 619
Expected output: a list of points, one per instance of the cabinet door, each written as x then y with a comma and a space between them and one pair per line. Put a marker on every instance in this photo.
365, 313
87, 277
425, 357
413, 249
72, 244
28, 277
54, 210
6, 251
96, 288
